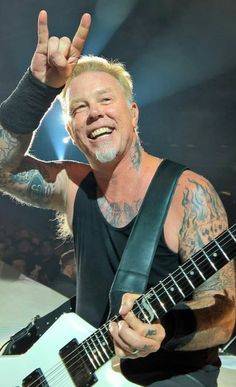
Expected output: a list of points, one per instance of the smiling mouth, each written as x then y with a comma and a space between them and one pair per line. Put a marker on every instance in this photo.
100, 132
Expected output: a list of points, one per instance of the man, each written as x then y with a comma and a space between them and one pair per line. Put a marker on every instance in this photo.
65, 282
101, 200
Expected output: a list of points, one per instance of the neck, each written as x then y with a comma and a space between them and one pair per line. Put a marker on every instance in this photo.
115, 173
128, 178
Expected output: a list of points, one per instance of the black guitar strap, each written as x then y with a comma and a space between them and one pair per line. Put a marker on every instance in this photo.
135, 265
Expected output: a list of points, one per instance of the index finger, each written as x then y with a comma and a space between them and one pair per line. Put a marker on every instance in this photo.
43, 33
127, 302
82, 32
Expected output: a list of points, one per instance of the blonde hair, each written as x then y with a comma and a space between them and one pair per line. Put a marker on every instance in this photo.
96, 63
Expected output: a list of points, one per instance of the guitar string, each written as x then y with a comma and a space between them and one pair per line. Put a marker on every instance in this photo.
212, 247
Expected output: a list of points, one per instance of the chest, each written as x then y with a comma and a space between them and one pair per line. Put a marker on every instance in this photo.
119, 214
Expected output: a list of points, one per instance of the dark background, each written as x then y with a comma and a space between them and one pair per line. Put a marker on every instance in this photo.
182, 55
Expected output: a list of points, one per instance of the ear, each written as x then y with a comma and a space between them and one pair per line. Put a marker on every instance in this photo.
135, 114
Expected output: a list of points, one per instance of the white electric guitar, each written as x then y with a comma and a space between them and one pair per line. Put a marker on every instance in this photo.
72, 353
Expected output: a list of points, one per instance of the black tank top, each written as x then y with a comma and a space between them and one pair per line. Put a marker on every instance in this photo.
98, 250
99, 247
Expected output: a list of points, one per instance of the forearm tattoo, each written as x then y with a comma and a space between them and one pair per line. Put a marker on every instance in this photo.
21, 176
35, 187
12, 147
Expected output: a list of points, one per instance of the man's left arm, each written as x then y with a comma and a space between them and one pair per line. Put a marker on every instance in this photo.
213, 303
208, 319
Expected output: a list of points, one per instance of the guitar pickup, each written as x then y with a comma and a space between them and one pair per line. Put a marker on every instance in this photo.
75, 361
35, 379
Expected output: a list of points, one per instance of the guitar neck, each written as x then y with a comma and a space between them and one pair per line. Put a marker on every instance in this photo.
97, 349
186, 278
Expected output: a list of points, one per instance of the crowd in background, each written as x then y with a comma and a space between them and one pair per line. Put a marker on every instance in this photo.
35, 255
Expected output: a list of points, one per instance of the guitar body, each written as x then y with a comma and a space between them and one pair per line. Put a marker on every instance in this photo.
44, 354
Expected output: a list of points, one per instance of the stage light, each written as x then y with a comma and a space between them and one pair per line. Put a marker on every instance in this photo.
107, 18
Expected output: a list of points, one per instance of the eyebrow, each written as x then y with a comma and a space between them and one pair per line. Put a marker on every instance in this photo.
103, 91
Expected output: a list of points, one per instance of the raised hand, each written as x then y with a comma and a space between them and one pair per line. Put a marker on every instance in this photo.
55, 58
133, 338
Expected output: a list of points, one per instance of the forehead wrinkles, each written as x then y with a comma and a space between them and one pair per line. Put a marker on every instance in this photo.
89, 95
94, 83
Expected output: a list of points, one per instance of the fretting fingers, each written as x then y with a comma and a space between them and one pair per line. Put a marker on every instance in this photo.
135, 343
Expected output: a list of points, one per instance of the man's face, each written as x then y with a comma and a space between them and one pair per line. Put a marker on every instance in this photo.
102, 122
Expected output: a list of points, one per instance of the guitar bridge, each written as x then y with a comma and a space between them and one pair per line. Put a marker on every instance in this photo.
75, 362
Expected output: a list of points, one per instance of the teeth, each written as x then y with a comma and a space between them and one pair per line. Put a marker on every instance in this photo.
100, 131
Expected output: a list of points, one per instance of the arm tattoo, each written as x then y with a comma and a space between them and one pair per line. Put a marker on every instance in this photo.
221, 280
34, 186
12, 148
7, 143
24, 177
204, 217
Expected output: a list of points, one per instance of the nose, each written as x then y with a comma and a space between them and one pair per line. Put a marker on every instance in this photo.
95, 112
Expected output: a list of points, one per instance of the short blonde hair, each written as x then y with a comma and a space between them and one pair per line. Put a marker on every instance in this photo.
96, 63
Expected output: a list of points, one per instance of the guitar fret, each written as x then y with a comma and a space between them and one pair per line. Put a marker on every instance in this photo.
224, 254
211, 263
145, 297
106, 344
199, 271
97, 350
95, 354
89, 357
159, 301
230, 233
145, 316
177, 286
101, 343
190, 282
146, 309
173, 302
93, 350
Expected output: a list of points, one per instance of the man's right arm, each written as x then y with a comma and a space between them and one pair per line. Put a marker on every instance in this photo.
27, 179
35, 182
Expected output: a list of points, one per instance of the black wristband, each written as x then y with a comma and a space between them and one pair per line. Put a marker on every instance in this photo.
23, 110
180, 325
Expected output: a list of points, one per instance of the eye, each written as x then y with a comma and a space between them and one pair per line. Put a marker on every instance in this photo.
106, 99
77, 109
81, 106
